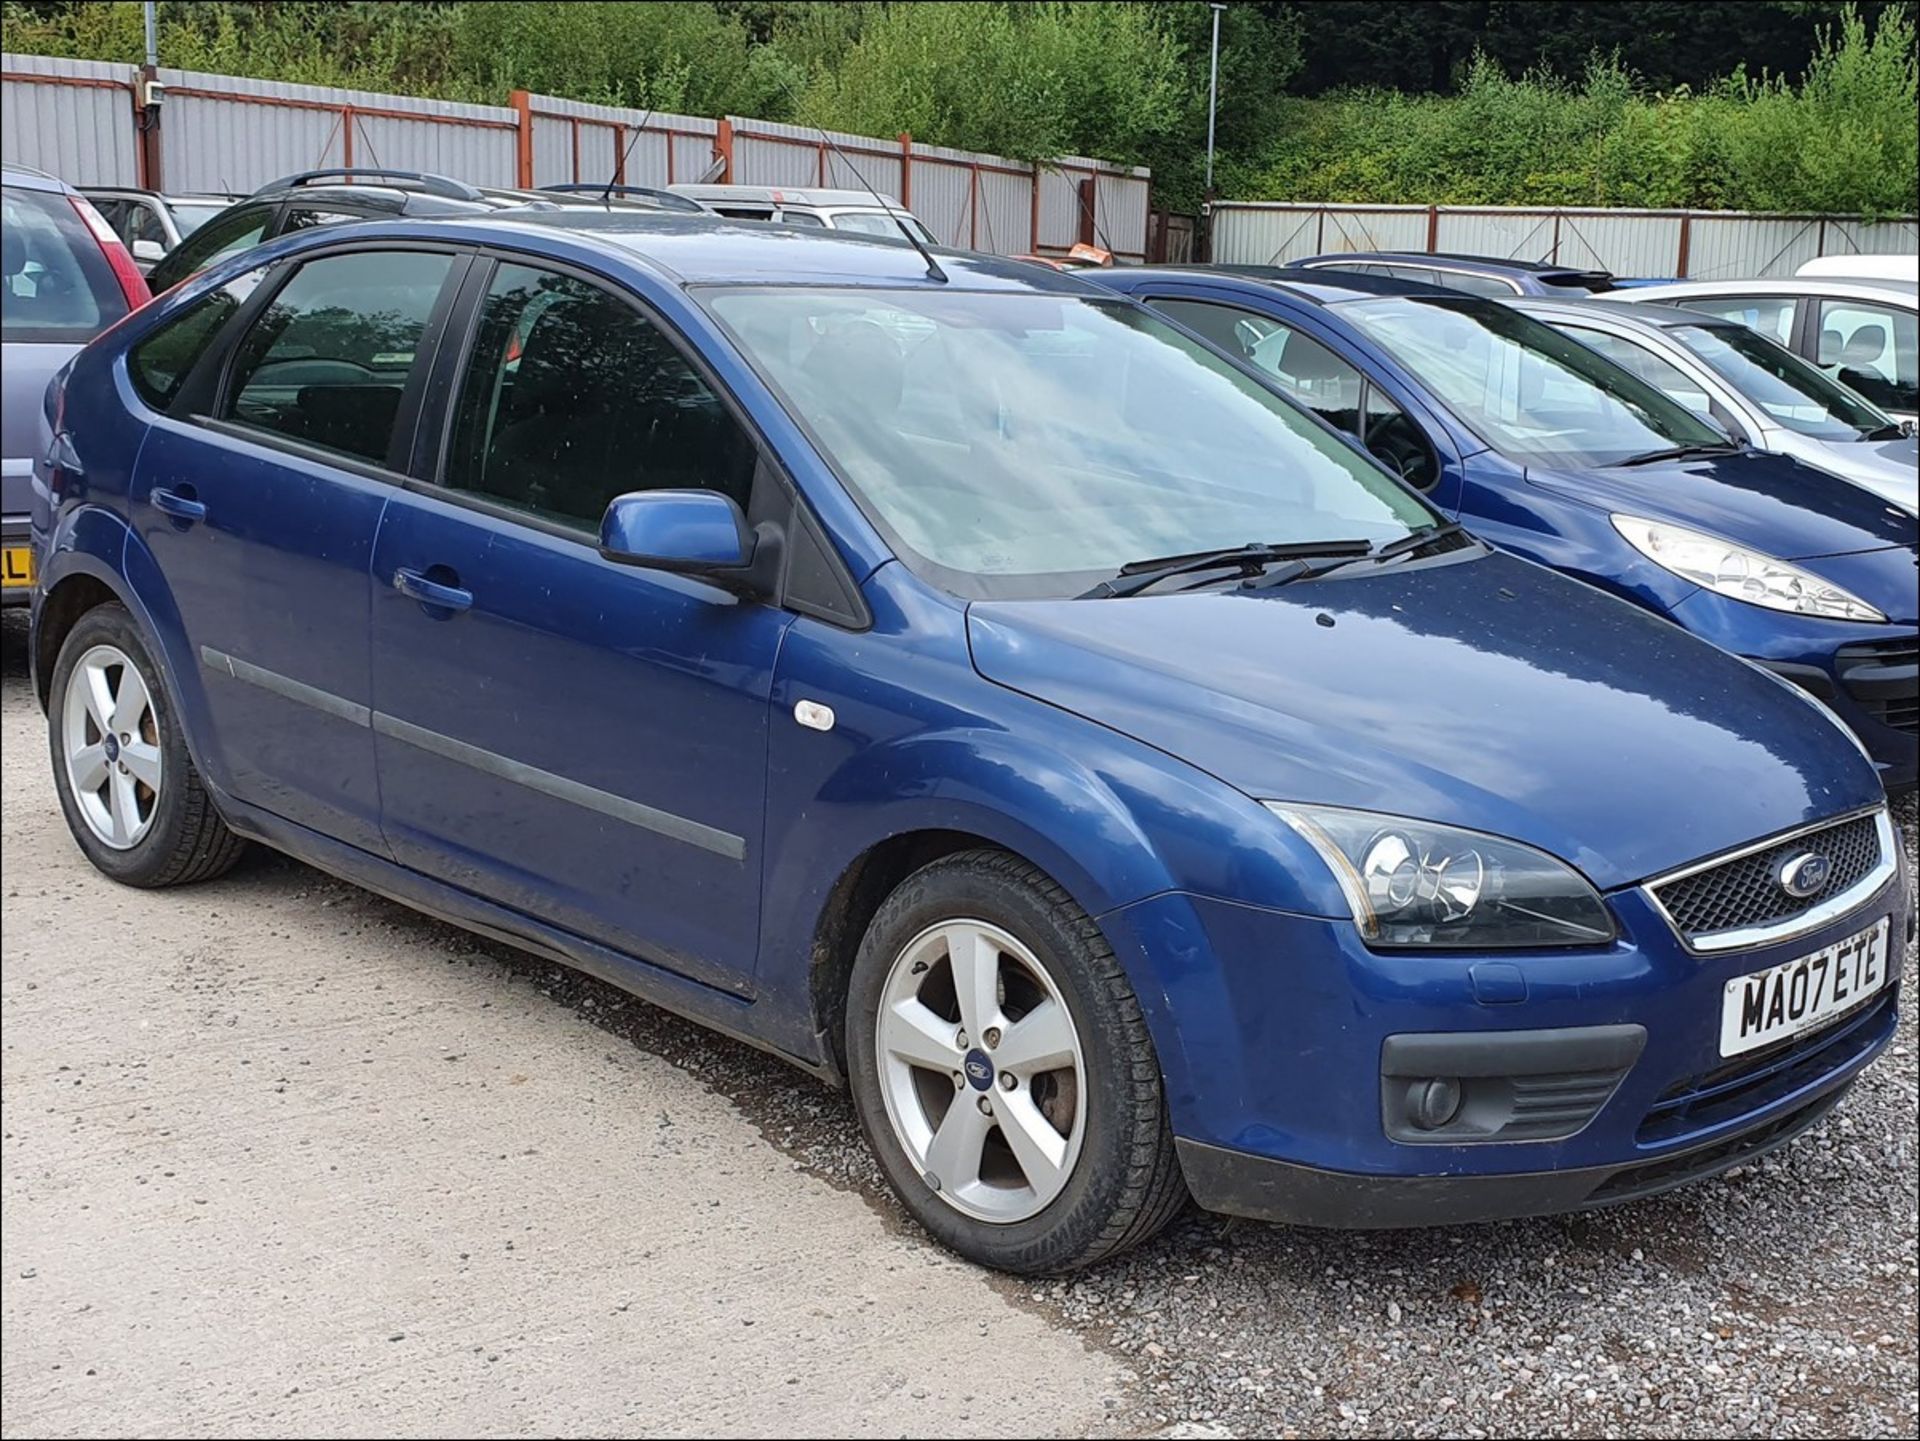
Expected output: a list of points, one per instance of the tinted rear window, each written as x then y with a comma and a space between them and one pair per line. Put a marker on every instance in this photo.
58, 288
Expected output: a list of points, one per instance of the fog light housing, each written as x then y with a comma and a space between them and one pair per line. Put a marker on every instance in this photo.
1433, 1102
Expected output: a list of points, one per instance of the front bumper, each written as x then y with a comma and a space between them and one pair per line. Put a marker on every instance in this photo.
1281, 1040
1238, 1184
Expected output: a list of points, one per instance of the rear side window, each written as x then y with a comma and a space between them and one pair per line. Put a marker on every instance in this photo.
160, 364
58, 288
572, 397
1488, 285
1871, 348
217, 239
327, 361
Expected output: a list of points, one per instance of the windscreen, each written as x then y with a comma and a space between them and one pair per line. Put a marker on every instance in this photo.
1020, 444
1530, 392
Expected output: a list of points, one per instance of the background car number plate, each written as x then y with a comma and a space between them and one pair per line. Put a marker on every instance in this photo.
16, 566
1783, 1001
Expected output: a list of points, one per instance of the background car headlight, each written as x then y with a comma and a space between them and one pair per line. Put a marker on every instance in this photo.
1416, 883
1733, 570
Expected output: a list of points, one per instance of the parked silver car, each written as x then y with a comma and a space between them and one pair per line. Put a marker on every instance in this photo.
1759, 391
851, 210
1862, 332
150, 223
66, 277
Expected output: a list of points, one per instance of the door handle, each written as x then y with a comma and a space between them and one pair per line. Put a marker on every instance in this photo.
179, 504
431, 592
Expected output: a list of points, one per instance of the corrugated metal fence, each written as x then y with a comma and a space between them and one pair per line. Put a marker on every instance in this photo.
1699, 244
80, 120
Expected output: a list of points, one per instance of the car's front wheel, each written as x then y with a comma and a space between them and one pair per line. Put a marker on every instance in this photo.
1003, 1072
127, 786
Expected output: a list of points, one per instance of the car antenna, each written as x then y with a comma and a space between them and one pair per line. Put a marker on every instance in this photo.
934, 272
620, 165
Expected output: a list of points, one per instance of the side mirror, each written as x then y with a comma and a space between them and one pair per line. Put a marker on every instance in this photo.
690, 532
148, 250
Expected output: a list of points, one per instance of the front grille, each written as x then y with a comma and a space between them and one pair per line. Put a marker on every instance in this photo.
1655, 1176
1883, 677
1744, 892
1753, 1082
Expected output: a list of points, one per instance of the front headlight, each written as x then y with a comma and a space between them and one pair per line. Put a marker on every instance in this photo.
1733, 570
1415, 883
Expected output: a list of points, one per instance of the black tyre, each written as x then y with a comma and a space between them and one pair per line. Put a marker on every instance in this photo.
1003, 1072
127, 786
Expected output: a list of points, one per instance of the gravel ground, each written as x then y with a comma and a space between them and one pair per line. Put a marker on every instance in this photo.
1779, 1300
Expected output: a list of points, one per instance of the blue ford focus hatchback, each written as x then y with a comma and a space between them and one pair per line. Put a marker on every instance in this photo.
1554, 452
961, 682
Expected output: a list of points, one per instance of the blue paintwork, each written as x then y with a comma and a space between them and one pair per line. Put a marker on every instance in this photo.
681, 530
1772, 503
522, 723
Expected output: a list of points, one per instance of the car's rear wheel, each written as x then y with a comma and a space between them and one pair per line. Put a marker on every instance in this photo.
1003, 1071
127, 786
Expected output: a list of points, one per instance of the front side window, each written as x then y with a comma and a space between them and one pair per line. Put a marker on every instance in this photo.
572, 397
1771, 315
1530, 392
326, 362
1663, 375
1872, 349
1021, 445
1792, 392
58, 288
239, 228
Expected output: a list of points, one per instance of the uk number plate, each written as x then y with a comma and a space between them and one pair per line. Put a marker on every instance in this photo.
1801, 995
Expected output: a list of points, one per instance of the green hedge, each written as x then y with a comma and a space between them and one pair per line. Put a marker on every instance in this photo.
1843, 142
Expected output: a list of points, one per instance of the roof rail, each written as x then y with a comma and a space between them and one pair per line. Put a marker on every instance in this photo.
665, 197
431, 184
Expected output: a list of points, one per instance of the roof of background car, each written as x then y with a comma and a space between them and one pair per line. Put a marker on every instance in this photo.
712, 249
27, 178
788, 194
1351, 285
1849, 287
1491, 264
1663, 317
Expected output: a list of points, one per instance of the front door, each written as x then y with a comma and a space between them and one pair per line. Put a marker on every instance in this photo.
261, 512
583, 741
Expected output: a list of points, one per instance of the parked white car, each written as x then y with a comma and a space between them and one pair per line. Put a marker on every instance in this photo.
1865, 333
1865, 267
849, 210
1757, 390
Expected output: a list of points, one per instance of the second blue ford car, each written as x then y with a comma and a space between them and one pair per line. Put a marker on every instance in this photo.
960, 681
1550, 450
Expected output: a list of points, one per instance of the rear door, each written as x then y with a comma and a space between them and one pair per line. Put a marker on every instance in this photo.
258, 494
583, 741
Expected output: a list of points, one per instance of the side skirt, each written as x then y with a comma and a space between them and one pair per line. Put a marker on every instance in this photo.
705, 1005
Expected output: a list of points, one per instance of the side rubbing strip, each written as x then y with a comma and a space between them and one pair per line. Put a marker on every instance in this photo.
665, 823
321, 700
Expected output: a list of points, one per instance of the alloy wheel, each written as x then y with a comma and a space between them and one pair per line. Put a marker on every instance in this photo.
112, 743
982, 1070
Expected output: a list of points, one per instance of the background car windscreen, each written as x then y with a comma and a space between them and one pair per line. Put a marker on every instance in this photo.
1527, 390
1026, 445
1790, 391
57, 287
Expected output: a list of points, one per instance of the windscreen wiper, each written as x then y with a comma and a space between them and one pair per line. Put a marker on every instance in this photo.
1407, 545
1679, 452
1140, 575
